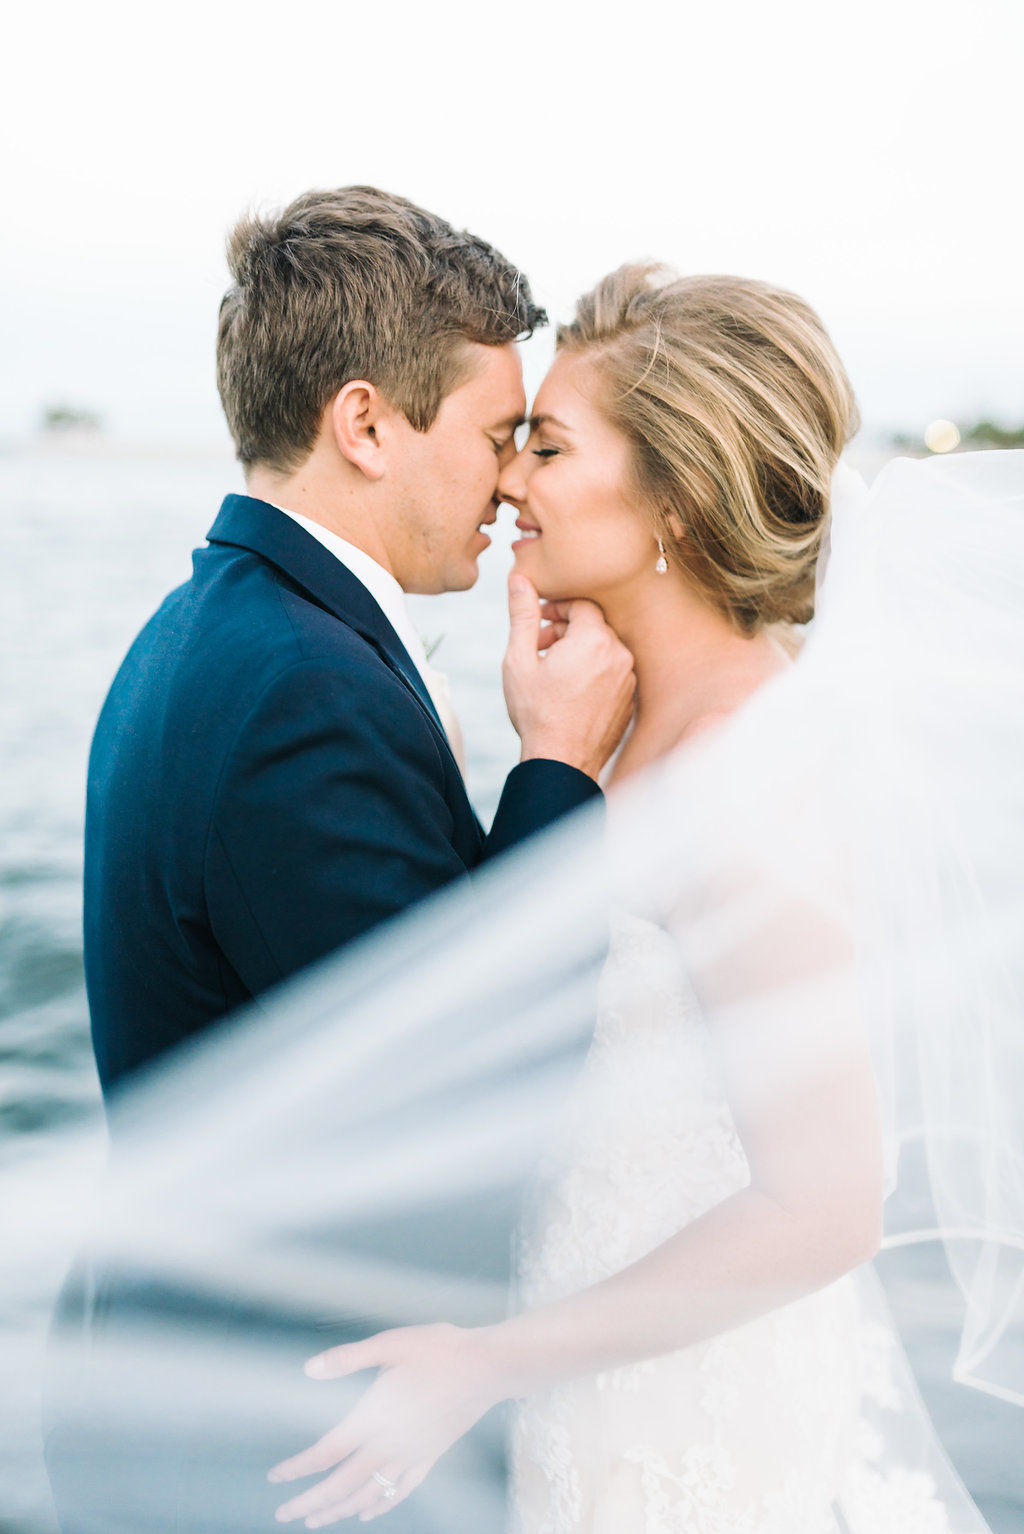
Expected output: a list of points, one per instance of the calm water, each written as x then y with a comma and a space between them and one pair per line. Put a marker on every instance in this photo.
89, 544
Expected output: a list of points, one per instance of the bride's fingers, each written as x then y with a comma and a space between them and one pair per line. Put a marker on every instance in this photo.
409, 1482
327, 1451
368, 1502
360, 1498
334, 1491
349, 1358
357, 1504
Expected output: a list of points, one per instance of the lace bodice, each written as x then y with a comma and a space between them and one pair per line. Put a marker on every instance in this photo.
761, 1430
647, 1143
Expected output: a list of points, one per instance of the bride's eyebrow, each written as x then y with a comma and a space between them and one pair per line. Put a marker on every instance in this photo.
537, 421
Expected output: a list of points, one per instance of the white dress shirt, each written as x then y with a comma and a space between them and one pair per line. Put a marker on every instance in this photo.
390, 598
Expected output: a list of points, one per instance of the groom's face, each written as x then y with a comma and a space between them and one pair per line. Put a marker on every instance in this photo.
448, 476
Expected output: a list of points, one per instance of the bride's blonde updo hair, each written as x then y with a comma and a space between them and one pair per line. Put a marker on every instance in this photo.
737, 408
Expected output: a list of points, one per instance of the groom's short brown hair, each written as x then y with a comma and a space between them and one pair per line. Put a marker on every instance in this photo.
353, 283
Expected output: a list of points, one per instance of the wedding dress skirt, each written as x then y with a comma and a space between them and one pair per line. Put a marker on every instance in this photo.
776, 1427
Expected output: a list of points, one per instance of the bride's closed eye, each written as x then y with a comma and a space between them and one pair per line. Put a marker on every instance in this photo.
545, 452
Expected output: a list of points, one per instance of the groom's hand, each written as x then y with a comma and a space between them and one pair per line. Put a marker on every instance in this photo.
573, 704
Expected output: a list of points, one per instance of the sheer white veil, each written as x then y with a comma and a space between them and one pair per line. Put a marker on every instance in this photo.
879, 782
874, 792
933, 559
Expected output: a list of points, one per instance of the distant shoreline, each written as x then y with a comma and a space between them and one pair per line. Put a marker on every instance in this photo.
72, 443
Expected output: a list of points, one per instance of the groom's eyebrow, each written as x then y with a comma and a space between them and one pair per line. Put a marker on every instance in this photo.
509, 424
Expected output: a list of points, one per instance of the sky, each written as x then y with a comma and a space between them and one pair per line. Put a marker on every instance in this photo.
867, 156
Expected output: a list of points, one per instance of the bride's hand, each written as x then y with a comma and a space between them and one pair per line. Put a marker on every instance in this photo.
434, 1383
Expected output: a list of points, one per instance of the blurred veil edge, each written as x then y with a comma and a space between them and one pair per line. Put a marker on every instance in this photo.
358, 1142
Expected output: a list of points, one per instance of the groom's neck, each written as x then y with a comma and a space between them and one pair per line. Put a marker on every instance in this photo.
337, 501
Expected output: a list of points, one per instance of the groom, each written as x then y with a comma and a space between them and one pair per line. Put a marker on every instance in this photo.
272, 775
274, 772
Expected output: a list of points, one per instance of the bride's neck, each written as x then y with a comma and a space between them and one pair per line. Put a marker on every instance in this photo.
692, 667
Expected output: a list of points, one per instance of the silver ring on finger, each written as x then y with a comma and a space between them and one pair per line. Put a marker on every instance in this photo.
390, 1488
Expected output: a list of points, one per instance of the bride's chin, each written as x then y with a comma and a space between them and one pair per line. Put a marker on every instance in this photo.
550, 587
529, 566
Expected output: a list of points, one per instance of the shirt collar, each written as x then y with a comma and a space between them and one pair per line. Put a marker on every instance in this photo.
380, 583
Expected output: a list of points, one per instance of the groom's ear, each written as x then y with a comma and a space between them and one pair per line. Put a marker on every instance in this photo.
360, 418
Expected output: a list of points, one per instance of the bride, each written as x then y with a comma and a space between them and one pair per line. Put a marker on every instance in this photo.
694, 1351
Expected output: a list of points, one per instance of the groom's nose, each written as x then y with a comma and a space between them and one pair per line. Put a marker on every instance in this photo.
512, 481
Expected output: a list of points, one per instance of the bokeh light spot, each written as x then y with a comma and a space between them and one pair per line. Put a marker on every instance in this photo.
941, 436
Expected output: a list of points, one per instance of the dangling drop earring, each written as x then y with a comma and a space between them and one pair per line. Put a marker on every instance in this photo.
662, 564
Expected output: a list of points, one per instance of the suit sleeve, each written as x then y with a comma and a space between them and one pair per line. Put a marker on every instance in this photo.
536, 794
330, 818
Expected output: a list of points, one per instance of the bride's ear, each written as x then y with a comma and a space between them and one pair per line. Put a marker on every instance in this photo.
357, 415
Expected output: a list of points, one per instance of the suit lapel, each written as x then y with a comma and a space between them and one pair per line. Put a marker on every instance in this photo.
255, 525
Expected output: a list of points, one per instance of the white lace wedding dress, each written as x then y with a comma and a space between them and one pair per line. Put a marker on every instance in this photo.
791, 1424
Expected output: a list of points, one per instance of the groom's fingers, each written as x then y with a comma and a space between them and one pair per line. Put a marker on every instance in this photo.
571, 609
524, 617
554, 612
574, 707
557, 616
550, 634
582, 614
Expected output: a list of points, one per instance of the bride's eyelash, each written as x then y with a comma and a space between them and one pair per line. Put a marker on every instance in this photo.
544, 452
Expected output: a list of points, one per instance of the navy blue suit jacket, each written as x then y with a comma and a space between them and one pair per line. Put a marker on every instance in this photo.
268, 781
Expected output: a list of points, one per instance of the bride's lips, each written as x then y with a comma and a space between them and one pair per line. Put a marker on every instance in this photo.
529, 531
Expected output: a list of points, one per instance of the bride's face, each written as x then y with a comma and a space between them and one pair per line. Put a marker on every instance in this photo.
582, 532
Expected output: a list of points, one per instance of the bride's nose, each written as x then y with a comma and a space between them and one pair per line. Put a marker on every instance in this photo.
512, 482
